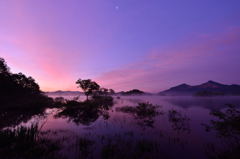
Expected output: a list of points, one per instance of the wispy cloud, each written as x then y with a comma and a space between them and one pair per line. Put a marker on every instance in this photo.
58, 42
187, 61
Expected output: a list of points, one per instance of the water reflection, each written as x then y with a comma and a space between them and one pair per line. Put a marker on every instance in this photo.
211, 103
141, 129
144, 113
28, 143
88, 111
141, 148
14, 117
227, 127
84, 147
179, 122
228, 123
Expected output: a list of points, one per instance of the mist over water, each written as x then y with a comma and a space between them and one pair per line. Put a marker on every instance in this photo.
178, 129
76, 79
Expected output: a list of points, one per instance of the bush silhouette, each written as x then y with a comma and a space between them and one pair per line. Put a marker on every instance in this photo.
20, 97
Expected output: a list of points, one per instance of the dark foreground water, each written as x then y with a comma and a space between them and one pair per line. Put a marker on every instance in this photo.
183, 127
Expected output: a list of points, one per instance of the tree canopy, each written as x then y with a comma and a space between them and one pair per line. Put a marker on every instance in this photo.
88, 86
11, 83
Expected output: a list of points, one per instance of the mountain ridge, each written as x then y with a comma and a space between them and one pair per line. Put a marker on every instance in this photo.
60, 92
208, 88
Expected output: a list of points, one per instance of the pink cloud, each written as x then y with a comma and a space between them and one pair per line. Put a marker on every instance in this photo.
35, 53
164, 68
31, 43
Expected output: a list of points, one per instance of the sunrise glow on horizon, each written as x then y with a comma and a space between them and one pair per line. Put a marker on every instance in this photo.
122, 44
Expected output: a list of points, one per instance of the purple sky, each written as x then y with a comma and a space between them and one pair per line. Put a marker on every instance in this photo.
122, 44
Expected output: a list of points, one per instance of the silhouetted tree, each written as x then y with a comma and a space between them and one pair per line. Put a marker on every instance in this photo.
103, 91
4, 69
111, 91
18, 90
88, 86
5, 81
11, 83
26, 83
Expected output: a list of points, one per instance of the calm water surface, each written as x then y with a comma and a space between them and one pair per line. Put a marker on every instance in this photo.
179, 130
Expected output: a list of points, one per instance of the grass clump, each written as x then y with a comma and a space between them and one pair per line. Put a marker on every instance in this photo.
26, 143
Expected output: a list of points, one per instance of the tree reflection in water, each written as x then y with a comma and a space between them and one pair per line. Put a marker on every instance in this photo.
227, 127
144, 113
88, 111
10, 118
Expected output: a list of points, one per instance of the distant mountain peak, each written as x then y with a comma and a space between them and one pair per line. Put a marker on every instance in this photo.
211, 87
184, 85
211, 84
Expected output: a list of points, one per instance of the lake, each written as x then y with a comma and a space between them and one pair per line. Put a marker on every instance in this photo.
182, 127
